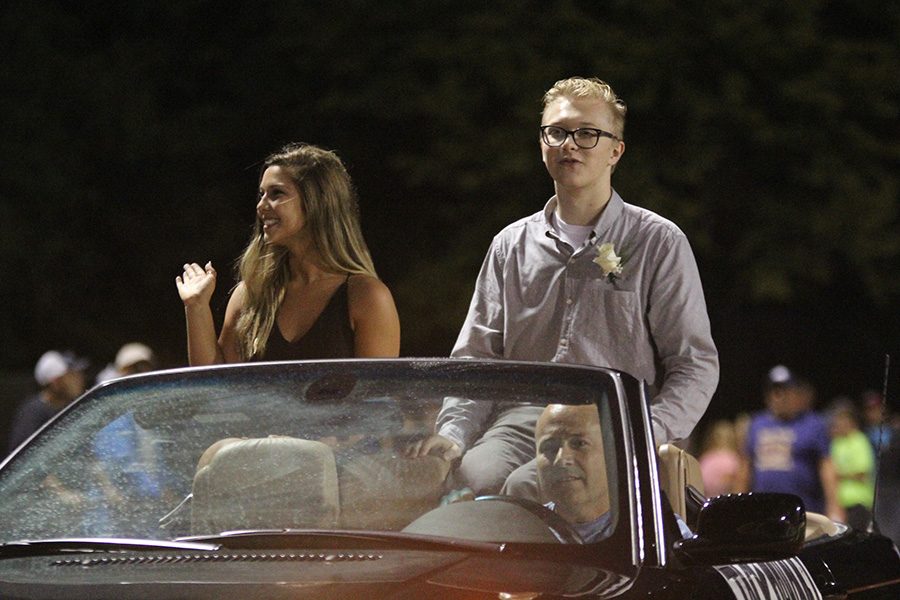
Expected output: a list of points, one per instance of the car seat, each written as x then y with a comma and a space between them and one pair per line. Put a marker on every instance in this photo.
681, 480
273, 482
296, 483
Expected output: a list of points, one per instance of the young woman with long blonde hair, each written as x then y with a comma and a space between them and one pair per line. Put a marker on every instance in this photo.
307, 288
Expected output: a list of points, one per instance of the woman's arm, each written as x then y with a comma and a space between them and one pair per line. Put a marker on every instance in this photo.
195, 287
828, 476
373, 316
228, 340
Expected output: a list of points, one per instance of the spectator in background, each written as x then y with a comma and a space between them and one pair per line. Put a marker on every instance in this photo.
131, 358
876, 423
61, 378
854, 463
787, 448
741, 430
719, 459
124, 447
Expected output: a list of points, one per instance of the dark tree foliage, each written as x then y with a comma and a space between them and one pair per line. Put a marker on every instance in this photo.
132, 134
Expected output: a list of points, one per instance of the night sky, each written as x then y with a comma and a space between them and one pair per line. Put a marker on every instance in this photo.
132, 136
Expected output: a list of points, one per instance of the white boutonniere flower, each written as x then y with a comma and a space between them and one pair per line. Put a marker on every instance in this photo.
608, 261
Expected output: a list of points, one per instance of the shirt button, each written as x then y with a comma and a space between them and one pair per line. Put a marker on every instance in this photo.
563, 342
568, 301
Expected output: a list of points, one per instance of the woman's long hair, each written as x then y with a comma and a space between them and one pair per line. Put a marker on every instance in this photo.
331, 211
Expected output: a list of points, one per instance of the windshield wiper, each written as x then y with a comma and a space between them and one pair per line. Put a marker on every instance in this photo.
329, 538
21, 548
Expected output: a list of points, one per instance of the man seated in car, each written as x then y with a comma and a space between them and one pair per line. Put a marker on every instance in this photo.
572, 468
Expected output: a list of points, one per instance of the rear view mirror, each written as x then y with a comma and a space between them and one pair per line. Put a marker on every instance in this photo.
746, 527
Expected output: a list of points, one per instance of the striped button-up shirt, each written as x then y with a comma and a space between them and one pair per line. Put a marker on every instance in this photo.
537, 298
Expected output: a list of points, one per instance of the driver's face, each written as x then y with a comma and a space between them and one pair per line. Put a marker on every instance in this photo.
570, 461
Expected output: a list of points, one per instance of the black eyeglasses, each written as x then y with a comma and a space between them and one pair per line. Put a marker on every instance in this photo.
584, 137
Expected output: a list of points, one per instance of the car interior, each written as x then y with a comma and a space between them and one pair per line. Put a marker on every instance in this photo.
282, 481
682, 482
297, 483
680, 479
285, 482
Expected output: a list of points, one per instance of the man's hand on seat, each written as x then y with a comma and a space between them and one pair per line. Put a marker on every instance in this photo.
434, 444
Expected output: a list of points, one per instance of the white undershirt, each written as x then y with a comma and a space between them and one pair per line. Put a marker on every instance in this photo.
574, 235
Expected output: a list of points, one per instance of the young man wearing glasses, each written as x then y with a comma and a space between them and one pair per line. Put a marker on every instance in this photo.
588, 280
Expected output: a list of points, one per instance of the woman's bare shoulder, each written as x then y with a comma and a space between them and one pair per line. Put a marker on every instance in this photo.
236, 300
374, 318
239, 291
365, 291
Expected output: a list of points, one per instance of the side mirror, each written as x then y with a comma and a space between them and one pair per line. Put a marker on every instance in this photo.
745, 528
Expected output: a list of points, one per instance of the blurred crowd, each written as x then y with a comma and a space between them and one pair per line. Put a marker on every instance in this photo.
827, 454
61, 377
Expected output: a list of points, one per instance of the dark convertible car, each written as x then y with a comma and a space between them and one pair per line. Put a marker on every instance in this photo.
294, 480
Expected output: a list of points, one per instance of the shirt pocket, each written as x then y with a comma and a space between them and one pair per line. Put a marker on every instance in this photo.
615, 322
613, 309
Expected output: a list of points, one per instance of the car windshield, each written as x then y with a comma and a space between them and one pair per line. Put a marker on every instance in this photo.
309, 446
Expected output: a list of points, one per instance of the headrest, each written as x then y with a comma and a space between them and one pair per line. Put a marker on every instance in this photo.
273, 482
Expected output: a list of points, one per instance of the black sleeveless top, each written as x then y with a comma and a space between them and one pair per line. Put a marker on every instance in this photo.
329, 337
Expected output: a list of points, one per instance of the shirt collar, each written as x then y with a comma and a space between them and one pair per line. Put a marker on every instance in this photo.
610, 215
592, 530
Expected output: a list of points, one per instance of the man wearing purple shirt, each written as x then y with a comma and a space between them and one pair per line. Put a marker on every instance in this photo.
787, 448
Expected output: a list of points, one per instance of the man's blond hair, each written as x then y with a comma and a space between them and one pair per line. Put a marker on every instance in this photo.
590, 87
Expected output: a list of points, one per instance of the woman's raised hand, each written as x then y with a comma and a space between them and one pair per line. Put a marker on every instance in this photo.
197, 284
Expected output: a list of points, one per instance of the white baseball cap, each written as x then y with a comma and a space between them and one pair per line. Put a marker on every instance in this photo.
133, 353
53, 364
781, 376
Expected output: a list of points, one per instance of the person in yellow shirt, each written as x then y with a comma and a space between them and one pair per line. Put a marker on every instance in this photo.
854, 462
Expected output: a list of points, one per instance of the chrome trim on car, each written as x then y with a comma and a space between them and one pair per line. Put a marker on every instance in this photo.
632, 474
653, 475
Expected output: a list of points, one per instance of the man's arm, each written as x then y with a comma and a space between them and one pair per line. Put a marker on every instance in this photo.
481, 335
461, 420
680, 328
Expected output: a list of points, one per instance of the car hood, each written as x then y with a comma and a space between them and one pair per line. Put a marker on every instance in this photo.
296, 574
